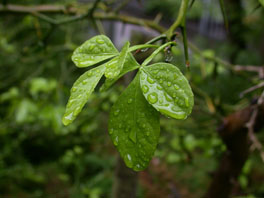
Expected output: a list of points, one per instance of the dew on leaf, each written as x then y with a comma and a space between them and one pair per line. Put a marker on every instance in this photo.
99, 41
84, 82
76, 111
74, 89
176, 87
145, 89
116, 141
168, 98
186, 102
169, 84
152, 98
129, 100
128, 161
159, 87
90, 73
150, 80
133, 136
116, 112
91, 47
111, 131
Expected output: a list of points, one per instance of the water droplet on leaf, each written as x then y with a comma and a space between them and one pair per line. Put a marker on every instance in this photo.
152, 98
145, 89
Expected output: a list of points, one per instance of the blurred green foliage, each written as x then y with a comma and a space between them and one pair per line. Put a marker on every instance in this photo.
39, 157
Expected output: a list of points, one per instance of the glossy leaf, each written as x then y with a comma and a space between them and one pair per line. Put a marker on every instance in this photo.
167, 90
115, 66
129, 65
134, 127
80, 93
95, 50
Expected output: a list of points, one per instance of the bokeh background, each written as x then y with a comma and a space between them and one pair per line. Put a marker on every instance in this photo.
39, 157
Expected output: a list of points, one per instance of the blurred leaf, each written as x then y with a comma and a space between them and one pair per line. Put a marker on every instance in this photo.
261, 2
38, 85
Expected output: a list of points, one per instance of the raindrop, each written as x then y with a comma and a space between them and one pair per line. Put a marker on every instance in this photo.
180, 103
90, 73
128, 160
168, 98
99, 41
68, 117
153, 98
186, 102
129, 100
74, 89
159, 87
133, 136
155, 72
84, 82
176, 87
91, 47
169, 84
116, 112
150, 80
144, 50
145, 88
77, 111
111, 131
70, 103
116, 141
174, 95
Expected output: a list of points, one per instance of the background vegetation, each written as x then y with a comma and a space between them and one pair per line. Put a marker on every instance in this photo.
39, 157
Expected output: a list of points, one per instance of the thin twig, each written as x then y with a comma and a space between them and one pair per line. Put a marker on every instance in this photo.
251, 89
250, 125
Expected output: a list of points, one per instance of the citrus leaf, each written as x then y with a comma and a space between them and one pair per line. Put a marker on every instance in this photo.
129, 65
95, 50
80, 93
134, 127
115, 66
167, 90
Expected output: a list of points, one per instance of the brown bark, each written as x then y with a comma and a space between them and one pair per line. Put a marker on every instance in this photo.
235, 135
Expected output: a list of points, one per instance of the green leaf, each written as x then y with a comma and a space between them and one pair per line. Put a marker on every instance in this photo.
167, 90
134, 127
261, 2
115, 66
95, 50
129, 65
80, 93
